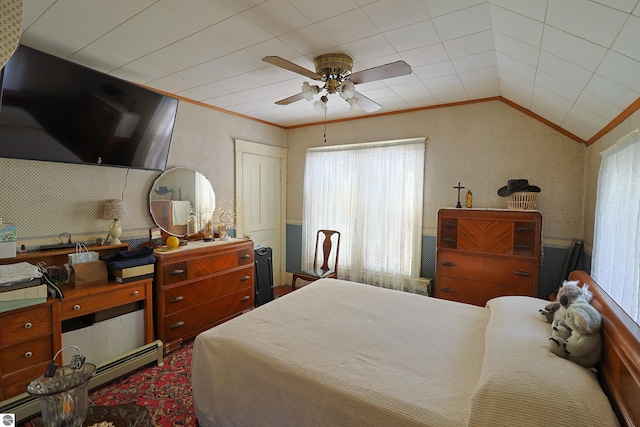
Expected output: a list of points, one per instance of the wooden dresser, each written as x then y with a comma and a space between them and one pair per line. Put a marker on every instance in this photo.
485, 253
201, 285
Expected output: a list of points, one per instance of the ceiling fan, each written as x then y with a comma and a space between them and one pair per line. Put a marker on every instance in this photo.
334, 70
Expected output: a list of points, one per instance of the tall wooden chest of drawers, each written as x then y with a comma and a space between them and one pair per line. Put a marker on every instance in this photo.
200, 286
485, 253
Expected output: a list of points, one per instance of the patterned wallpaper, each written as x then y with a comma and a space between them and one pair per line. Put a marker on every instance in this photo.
45, 199
481, 145
10, 28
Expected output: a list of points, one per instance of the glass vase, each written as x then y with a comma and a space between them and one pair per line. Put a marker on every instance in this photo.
64, 397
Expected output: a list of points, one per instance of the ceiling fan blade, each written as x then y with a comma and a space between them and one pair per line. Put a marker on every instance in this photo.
367, 104
394, 69
290, 99
288, 65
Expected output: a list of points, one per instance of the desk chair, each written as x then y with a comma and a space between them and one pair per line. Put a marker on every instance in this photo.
325, 243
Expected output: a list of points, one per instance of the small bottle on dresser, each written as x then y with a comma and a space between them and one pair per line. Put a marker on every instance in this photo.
23, 250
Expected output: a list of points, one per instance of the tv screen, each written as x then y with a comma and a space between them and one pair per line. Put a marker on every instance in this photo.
55, 110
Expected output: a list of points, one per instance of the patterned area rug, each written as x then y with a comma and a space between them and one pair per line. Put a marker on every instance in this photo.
164, 390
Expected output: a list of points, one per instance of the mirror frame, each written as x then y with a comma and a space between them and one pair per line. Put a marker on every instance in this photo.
168, 189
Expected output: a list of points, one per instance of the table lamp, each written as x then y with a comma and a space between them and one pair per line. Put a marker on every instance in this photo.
115, 209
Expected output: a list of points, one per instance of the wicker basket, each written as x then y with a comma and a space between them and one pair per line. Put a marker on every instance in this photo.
522, 200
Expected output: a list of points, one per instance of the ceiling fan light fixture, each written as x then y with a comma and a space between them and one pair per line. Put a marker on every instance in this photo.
347, 90
334, 71
321, 105
308, 91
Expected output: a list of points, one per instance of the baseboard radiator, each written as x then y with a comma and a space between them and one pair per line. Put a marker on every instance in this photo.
25, 406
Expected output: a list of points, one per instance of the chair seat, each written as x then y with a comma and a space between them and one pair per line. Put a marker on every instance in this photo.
317, 273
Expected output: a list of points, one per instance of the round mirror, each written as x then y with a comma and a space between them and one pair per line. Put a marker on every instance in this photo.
182, 201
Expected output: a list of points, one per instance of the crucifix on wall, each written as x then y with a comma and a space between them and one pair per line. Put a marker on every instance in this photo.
459, 206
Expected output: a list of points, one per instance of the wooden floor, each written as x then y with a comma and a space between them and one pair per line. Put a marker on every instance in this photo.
278, 291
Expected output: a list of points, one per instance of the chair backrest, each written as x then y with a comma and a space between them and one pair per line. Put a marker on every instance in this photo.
325, 242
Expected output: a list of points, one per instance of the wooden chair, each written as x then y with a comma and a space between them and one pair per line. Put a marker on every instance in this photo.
324, 243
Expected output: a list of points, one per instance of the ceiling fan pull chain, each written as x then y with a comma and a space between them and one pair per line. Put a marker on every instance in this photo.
325, 126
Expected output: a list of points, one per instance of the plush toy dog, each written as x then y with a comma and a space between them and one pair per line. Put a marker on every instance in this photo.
579, 339
568, 294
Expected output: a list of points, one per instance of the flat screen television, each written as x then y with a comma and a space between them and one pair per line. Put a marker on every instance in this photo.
55, 110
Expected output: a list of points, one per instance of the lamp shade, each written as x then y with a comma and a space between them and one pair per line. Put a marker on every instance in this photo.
115, 209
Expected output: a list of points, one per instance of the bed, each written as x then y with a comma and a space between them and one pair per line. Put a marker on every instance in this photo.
338, 353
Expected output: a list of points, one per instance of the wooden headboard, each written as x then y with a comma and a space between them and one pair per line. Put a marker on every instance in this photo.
619, 368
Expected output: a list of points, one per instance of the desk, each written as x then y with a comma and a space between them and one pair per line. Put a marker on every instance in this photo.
30, 336
94, 298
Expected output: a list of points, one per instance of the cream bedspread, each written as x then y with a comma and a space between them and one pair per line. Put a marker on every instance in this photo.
338, 353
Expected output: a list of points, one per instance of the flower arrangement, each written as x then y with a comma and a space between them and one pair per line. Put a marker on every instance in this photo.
226, 215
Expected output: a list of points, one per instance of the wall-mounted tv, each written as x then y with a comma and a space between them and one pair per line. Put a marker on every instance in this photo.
55, 110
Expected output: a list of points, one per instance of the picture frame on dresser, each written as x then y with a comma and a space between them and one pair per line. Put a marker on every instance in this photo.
155, 237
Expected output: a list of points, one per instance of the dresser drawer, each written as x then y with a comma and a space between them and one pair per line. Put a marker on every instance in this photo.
203, 316
25, 325
120, 295
26, 354
202, 266
510, 272
175, 272
486, 236
524, 239
16, 383
191, 294
448, 233
462, 266
471, 291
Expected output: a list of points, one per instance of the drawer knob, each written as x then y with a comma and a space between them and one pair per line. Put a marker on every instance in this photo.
449, 224
245, 278
449, 290
246, 297
176, 299
245, 256
135, 293
176, 272
177, 325
28, 354
522, 273
28, 325
76, 307
448, 264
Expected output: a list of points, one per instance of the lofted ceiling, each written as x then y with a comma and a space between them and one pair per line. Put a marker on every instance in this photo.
575, 63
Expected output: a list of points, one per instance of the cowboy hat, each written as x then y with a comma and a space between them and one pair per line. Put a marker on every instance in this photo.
516, 185
163, 190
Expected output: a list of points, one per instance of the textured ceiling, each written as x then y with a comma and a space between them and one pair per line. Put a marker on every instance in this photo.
575, 63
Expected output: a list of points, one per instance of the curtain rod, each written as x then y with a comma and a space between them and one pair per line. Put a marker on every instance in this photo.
343, 147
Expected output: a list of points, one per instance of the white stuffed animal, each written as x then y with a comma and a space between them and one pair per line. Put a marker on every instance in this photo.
569, 293
579, 339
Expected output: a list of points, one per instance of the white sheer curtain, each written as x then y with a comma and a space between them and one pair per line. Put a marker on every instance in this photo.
371, 193
616, 241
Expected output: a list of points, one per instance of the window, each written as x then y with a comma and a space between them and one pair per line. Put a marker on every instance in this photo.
616, 240
371, 193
